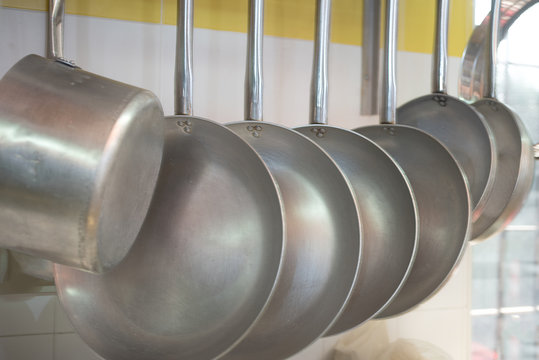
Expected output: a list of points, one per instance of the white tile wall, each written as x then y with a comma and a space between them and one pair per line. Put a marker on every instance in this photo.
143, 55
22, 315
71, 347
28, 347
62, 324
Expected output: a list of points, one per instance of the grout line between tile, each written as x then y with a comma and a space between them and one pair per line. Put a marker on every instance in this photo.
25, 335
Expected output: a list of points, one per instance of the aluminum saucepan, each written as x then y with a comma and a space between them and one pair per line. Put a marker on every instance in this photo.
387, 205
323, 233
30, 265
209, 253
454, 122
73, 146
514, 150
439, 185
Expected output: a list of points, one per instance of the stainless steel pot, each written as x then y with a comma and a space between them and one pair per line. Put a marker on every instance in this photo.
79, 158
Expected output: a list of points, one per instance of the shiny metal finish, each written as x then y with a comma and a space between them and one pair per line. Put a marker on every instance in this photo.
514, 151
388, 218
204, 264
319, 88
370, 51
254, 100
323, 243
444, 210
55, 29
74, 146
323, 248
183, 71
439, 56
514, 174
31, 265
455, 123
439, 186
3, 265
388, 104
386, 203
472, 80
34, 266
492, 50
323, 233
207, 257
441, 232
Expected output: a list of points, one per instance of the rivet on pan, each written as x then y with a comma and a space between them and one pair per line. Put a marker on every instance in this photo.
440, 99
319, 132
254, 130
185, 125
494, 105
390, 130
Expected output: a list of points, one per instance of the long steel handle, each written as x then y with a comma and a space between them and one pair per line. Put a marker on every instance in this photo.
55, 29
254, 81
388, 105
370, 57
491, 50
439, 59
183, 75
319, 81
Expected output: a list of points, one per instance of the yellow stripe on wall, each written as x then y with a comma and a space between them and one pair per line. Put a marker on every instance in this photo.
283, 18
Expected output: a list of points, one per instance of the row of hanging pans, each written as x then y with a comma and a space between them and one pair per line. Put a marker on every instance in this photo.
180, 238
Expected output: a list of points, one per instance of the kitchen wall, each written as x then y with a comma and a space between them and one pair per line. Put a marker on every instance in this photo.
35, 327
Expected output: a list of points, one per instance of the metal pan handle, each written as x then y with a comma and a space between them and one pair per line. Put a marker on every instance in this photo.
491, 50
370, 56
439, 59
183, 74
388, 104
254, 81
319, 82
55, 29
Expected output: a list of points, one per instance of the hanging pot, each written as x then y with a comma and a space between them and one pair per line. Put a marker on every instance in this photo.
79, 158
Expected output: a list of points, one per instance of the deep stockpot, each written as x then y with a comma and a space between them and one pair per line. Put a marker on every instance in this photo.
79, 158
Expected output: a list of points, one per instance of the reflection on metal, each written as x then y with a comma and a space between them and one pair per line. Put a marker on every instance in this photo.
34, 266
472, 84
370, 58
3, 265
536, 150
505, 297
15, 281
